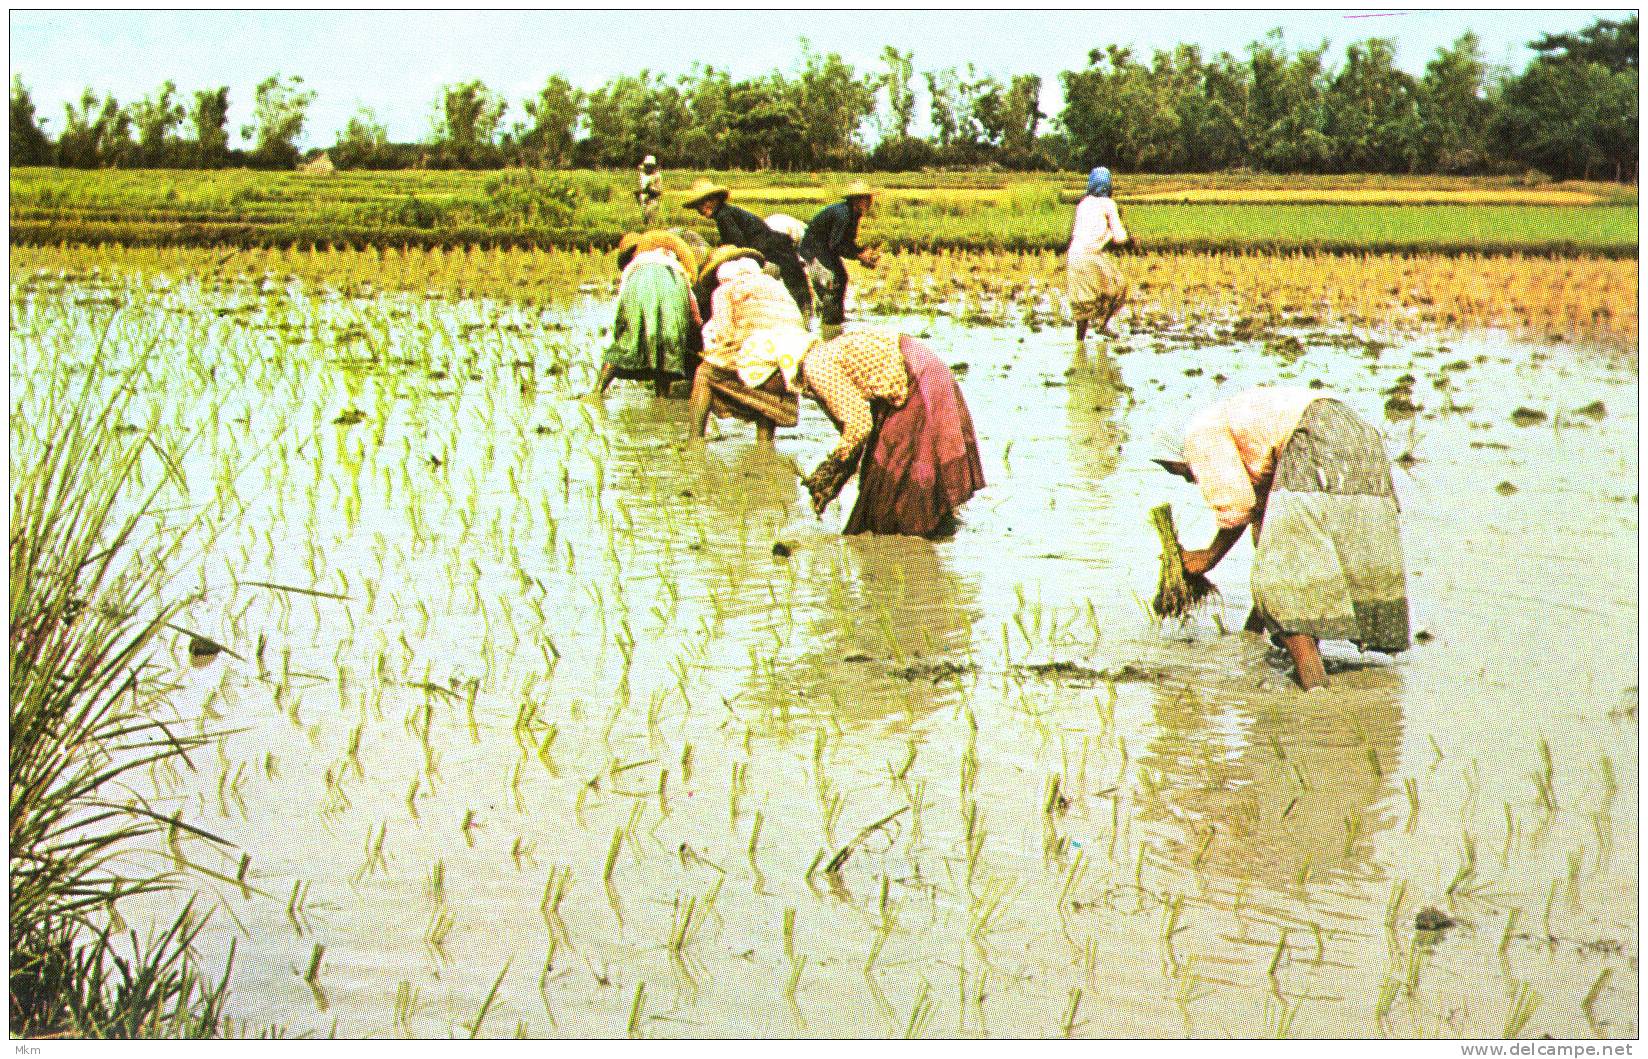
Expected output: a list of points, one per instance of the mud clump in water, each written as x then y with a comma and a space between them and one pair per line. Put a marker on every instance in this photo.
1432, 921
934, 671
1527, 417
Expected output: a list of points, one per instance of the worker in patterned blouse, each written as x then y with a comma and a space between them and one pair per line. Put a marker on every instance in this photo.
753, 340
905, 430
739, 227
832, 235
1315, 476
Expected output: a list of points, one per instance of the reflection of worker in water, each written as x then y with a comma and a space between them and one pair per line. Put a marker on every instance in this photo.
889, 587
1264, 789
1094, 388
1315, 476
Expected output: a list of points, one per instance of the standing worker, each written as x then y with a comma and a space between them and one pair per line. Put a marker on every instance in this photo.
649, 190
1312, 479
739, 227
1097, 286
831, 236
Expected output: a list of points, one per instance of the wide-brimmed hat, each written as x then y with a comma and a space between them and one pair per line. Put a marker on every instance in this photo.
703, 189
649, 160
725, 253
858, 189
628, 241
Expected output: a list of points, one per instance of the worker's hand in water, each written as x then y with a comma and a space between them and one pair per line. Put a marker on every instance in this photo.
1198, 561
827, 480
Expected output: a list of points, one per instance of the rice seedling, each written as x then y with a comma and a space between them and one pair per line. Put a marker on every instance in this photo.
1281, 1017
922, 1010
1595, 991
1388, 989
632, 1029
1545, 778
1277, 954
312, 974
1524, 1002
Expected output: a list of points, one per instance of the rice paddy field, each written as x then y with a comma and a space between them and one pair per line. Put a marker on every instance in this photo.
915, 211
527, 717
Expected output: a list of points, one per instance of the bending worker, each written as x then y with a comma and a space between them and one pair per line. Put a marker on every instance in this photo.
831, 236
739, 227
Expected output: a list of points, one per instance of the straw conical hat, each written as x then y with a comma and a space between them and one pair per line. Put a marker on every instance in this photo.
702, 189
859, 189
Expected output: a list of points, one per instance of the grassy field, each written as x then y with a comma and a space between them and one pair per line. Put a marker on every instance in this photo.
917, 211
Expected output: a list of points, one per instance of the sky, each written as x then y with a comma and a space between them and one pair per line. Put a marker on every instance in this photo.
395, 61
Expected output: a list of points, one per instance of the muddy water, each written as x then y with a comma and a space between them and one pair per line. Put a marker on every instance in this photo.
574, 728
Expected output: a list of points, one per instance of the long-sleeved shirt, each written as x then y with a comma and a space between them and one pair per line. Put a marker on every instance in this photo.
846, 374
755, 328
831, 235
1232, 445
1098, 224
736, 226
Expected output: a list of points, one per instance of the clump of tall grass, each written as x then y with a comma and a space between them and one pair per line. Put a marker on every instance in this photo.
87, 570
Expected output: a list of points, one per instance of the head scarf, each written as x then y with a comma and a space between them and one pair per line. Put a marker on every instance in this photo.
738, 266
1168, 441
1098, 181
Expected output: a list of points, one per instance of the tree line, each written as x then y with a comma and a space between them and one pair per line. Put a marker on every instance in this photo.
1572, 113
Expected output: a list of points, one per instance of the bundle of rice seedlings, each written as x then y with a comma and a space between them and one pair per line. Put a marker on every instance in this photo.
1178, 595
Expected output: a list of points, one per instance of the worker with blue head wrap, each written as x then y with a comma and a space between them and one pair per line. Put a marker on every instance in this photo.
1097, 287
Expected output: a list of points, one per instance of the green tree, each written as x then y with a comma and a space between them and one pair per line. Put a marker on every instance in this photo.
1611, 45
1102, 108
157, 118
1007, 117
1370, 112
632, 116
1284, 120
210, 120
552, 116
29, 143
281, 107
1573, 112
830, 103
764, 128
95, 133
901, 96
362, 142
466, 123
1453, 108
1570, 119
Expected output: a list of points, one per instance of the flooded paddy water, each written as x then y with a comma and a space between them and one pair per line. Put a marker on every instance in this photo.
577, 729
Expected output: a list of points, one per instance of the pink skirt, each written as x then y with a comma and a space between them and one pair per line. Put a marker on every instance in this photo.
922, 460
